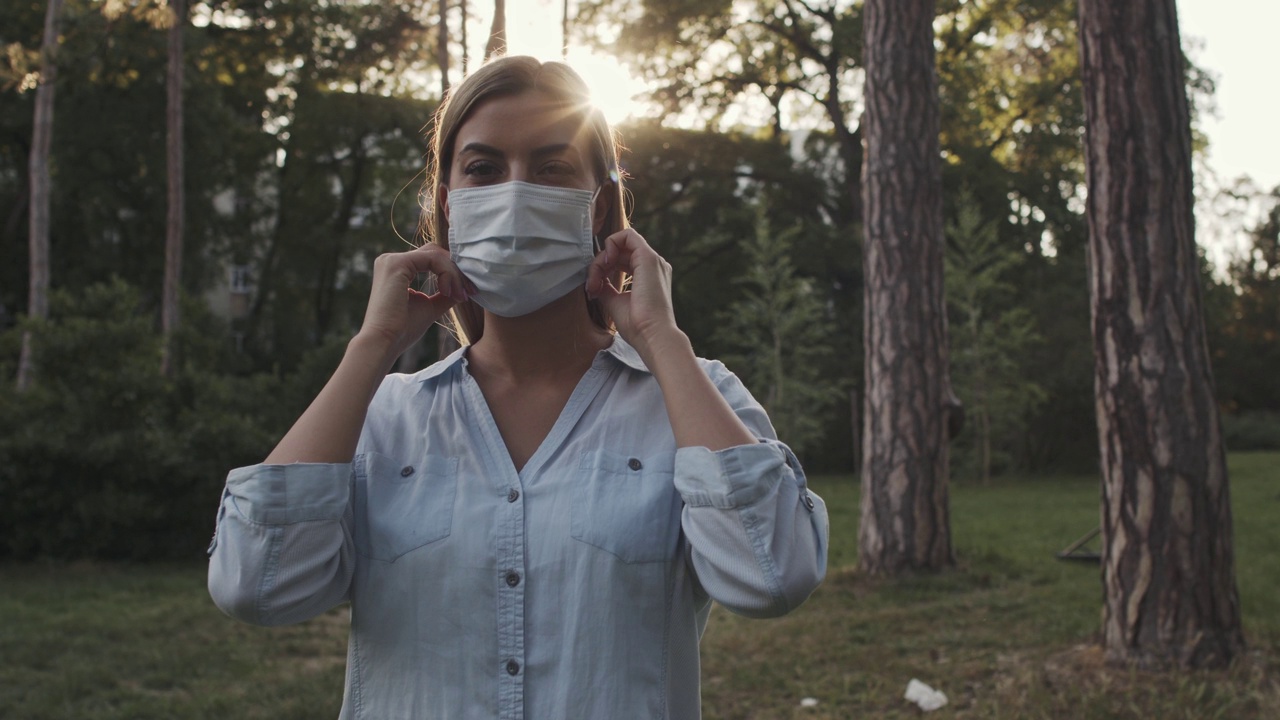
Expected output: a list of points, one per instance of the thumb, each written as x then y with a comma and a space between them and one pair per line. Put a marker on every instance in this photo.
424, 310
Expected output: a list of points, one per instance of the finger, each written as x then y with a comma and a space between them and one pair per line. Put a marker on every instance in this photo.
619, 248
618, 253
597, 276
430, 306
431, 258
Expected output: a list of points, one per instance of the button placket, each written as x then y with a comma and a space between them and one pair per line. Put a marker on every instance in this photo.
510, 577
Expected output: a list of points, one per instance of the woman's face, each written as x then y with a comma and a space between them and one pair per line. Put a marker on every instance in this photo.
529, 138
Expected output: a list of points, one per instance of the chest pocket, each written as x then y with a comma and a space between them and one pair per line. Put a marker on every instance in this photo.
402, 506
627, 506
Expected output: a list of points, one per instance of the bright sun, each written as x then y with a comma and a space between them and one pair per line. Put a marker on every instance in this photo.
533, 28
613, 88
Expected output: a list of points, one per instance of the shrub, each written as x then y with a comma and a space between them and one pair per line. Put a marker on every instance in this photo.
103, 457
1252, 430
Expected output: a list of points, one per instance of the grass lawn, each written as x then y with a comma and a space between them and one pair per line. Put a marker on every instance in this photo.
1008, 634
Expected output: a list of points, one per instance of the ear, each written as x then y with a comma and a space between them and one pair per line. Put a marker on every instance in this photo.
603, 202
442, 192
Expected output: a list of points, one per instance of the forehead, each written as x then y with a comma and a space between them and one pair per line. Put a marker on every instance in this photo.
526, 121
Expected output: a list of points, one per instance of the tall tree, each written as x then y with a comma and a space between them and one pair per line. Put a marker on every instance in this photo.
442, 46
1168, 567
466, 50
990, 336
564, 28
1243, 337
497, 44
778, 333
38, 232
173, 245
905, 515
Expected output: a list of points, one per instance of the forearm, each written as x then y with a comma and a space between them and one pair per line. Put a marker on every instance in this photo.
282, 551
757, 535
700, 415
329, 429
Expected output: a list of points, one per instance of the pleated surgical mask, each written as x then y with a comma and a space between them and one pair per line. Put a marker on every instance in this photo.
522, 245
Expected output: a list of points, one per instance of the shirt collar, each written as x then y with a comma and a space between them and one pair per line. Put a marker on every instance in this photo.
620, 349
626, 354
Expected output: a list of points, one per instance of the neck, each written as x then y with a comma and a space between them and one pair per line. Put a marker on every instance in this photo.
555, 340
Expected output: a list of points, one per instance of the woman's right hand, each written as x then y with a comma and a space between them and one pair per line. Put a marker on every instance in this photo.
398, 315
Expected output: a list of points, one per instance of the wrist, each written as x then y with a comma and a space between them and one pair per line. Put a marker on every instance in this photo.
659, 348
372, 349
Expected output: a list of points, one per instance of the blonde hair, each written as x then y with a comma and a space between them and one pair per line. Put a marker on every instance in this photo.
507, 77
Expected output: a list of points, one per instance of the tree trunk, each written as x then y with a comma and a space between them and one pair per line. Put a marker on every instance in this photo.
327, 280
169, 308
905, 518
564, 29
442, 48
1168, 567
497, 44
850, 141
466, 51
38, 167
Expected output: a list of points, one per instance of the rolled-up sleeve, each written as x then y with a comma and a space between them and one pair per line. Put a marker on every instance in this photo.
757, 534
282, 550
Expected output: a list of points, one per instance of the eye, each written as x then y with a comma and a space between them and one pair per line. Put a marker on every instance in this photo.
481, 169
556, 168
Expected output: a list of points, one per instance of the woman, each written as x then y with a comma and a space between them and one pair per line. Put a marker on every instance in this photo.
536, 525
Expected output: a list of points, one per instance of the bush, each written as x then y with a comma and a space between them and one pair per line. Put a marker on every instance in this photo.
103, 457
1252, 430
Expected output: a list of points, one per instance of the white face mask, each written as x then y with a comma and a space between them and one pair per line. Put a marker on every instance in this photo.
522, 245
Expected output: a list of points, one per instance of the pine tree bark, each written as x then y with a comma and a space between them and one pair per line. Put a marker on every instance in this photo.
38, 168
170, 316
1168, 567
905, 518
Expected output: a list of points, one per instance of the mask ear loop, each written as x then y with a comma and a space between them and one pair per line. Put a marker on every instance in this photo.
596, 244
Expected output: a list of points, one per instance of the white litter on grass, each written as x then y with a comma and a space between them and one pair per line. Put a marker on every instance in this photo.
809, 702
926, 697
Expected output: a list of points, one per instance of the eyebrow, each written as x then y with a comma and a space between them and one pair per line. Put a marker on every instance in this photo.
482, 149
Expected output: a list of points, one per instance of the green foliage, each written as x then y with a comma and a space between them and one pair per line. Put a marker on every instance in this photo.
777, 332
1251, 430
1244, 330
990, 338
103, 457
302, 126
695, 198
1012, 124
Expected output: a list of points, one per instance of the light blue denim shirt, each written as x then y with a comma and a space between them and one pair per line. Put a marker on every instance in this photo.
578, 587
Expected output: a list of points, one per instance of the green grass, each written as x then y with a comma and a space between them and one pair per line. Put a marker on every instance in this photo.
1008, 634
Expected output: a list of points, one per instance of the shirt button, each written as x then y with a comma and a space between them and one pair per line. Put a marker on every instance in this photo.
513, 496
808, 501
513, 667
406, 471
513, 579
635, 464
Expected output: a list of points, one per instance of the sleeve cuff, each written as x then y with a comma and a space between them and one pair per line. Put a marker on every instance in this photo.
731, 478
287, 494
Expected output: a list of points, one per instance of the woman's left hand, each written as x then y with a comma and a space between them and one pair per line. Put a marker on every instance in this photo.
643, 313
